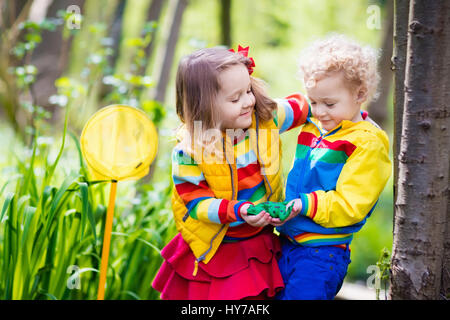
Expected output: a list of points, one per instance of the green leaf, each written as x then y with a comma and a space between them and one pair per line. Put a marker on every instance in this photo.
9, 198
14, 178
132, 294
49, 25
33, 37
86, 210
28, 215
63, 82
134, 42
56, 201
49, 295
29, 25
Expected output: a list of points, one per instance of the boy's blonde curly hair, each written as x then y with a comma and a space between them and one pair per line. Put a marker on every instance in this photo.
340, 53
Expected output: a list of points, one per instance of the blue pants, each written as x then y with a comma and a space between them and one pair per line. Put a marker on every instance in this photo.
312, 273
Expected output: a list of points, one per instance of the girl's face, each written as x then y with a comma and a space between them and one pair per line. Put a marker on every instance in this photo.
332, 101
235, 100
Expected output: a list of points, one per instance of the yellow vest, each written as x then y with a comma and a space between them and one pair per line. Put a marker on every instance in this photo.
204, 238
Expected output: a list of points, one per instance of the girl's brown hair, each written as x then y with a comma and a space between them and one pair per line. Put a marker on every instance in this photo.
197, 85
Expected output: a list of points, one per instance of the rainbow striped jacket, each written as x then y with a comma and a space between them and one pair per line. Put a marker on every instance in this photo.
339, 176
207, 195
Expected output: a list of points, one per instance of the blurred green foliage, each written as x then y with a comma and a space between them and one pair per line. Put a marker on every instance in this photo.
275, 30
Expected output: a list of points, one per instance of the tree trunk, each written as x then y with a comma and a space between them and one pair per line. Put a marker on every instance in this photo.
51, 56
11, 10
154, 14
378, 108
86, 42
421, 205
116, 33
166, 54
445, 287
12, 14
399, 63
164, 59
225, 22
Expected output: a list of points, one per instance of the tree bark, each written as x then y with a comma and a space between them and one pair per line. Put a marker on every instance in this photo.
154, 14
401, 8
378, 108
116, 32
12, 14
445, 286
421, 204
165, 55
51, 56
11, 10
175, 14
225, 22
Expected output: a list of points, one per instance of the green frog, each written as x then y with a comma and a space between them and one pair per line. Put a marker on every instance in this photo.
275, 209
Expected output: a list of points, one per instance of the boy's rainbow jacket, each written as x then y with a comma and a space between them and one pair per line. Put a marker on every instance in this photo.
339, 176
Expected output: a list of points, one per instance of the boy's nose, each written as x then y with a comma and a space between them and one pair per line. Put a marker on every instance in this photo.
319, 110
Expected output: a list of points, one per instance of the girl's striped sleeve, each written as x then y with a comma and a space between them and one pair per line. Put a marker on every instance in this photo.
191, 186
292, 112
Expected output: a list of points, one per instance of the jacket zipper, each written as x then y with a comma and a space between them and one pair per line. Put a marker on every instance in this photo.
259, 157
203, 256
302, 172
231, 170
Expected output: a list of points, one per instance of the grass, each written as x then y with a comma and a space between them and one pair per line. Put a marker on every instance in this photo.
51, 226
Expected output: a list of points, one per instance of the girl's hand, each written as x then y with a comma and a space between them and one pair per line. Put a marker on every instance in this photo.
260, 220
295, 211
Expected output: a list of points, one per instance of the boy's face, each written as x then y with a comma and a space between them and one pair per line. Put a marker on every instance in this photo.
332, 101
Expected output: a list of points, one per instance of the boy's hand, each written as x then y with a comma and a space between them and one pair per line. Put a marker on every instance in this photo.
260, 220
297, 207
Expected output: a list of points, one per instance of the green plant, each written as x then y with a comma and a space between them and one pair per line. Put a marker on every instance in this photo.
31, 217
51, 221
131, 87
384, 265
22, 75
47, 229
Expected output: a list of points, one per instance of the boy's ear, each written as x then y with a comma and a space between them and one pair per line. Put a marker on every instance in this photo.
361, 94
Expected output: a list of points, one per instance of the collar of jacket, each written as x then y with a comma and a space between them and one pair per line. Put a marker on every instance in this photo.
264, 140
347, 126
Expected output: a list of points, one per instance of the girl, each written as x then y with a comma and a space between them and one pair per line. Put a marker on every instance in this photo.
226, 159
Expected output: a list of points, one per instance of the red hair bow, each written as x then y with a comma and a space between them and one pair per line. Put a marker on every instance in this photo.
244, 52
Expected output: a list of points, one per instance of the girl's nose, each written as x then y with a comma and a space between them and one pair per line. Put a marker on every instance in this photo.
249, 100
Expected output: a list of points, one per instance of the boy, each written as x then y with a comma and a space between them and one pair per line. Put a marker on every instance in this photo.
340, 168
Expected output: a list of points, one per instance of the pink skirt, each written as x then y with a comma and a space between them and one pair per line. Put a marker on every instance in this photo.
246, 269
